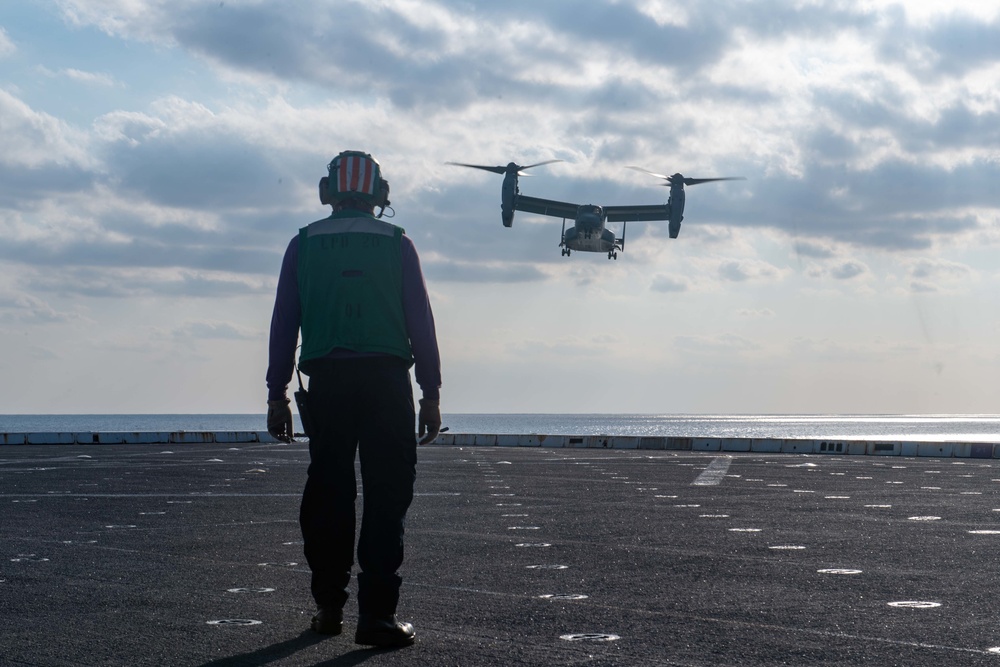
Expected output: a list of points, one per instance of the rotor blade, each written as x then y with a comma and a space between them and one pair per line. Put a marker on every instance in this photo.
651, 173
538, 164
696, 181
495, 170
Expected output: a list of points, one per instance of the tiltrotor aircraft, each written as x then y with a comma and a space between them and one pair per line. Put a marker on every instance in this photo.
589, 233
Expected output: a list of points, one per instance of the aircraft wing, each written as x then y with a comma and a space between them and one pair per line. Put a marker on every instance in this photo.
637, 213
557, 209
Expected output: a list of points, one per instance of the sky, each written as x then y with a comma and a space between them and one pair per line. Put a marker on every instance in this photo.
157, 155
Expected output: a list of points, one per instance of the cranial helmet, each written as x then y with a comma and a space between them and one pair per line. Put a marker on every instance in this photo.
354, 175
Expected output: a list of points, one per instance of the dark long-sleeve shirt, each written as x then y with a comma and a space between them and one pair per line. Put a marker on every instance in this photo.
287, 317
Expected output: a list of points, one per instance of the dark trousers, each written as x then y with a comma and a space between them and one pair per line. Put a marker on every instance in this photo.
358, 405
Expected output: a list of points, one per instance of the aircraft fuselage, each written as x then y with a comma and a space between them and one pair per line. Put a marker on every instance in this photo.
588, 233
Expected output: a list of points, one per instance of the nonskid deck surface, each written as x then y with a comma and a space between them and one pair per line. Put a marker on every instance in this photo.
191, 555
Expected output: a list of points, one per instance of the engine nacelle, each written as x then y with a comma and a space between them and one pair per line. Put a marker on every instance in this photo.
508, 193
676, 204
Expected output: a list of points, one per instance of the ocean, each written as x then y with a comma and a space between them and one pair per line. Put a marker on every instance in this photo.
930, 428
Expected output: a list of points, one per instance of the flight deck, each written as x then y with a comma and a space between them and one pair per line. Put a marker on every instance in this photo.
190, 554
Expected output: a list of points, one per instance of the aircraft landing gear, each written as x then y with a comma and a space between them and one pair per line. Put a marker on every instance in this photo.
565, 252
612, 255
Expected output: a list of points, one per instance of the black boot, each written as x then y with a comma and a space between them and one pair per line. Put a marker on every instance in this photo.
385, 631
328, 621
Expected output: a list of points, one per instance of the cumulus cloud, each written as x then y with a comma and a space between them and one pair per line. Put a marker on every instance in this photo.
34, 140
868, 133
742, 270
812, 249
848, 270
871, 164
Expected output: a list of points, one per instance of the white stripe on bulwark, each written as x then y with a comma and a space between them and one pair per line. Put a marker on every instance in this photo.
714, 473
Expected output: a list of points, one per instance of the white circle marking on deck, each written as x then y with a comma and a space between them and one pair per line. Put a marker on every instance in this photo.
249, 590
590, 637
915, 604
563, 596
235, 621
837, 570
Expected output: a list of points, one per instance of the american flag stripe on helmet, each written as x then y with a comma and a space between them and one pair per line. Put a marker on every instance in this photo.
356, 174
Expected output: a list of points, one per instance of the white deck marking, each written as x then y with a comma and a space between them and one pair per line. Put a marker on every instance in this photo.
685, 617
714, 473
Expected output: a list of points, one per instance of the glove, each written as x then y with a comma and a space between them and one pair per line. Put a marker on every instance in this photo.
279, 420
429, 420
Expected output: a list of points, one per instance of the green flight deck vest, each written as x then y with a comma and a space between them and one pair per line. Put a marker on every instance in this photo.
350, 279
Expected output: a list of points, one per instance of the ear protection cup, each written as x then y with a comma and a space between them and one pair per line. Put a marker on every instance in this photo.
324, 191
383, 193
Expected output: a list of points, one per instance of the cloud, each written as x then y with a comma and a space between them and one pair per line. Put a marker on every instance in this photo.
106, 282
186, 156
663, 283
716, 344
565, 347
34, 140
848, 270
936, 275
195, 252
7, 47
215, 331
853, 180
952, 46
816, 250
755, 314
98, 79
468, 272
747, 269
940, 269
28, 309
38, 353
